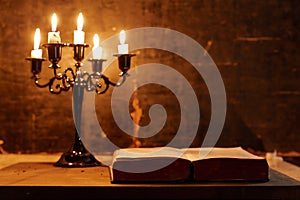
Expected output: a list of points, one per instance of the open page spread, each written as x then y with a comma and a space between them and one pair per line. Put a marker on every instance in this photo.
191, 154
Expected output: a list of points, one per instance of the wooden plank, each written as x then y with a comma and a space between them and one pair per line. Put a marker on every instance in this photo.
41, 180
280, 187
45, 174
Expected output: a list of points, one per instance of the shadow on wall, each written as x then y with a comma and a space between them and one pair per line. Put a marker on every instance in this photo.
235, 132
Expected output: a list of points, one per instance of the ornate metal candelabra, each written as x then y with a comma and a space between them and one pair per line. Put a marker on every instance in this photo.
77, 155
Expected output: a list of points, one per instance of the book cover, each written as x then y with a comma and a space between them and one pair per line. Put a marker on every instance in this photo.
167, 164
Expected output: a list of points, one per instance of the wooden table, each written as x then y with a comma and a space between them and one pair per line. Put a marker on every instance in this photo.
35, 177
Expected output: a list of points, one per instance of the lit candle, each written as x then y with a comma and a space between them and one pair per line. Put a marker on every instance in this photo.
36, 52
122, 48
97, 50
79, 34
53, 36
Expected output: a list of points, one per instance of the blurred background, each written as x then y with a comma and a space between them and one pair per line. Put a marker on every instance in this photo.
255, 45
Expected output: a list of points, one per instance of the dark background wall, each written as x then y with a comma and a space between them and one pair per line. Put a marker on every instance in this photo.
253, 43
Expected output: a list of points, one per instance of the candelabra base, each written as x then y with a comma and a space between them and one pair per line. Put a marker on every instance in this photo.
77, 156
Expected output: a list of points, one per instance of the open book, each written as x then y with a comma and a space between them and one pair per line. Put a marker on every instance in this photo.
166, 164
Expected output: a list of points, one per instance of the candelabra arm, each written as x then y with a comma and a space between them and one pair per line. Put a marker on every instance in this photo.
88, 79
107, 83
37, 83
57, 87
105, 86
68, 81
123, 75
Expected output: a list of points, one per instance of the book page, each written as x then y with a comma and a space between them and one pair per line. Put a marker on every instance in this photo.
141, 153
191, 154
207, 153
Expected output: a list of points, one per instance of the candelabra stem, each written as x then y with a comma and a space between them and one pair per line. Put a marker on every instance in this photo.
77, 155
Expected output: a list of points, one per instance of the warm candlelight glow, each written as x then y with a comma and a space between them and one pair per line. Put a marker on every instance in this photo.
122, 48
80, 22
79, 34
37, 39
36, 52
54, 22
97, 50
122, 37
96, 40
54, 36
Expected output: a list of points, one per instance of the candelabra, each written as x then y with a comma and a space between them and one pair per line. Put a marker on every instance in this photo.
80, 81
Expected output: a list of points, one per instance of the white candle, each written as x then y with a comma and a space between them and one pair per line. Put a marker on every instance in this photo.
36, 52
53, 36
79, 34
122, 48
97, 50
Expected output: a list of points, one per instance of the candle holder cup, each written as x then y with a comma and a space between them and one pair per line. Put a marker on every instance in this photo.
54, 52
78, 51
124, 61
97, 65
36, 65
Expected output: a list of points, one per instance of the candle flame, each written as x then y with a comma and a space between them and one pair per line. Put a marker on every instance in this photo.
80, 22
97, 50
96, 40
37, 39
54, 22
122, 37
